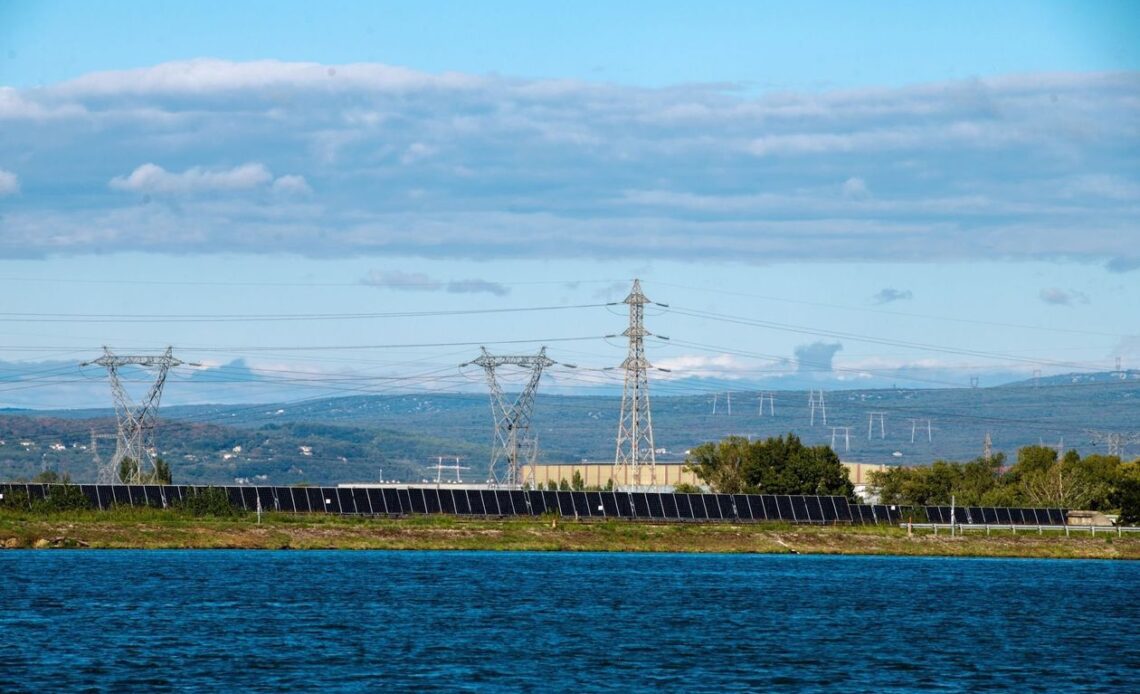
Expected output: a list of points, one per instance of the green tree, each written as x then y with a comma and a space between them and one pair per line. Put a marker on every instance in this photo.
778, 465
686, 488
576, 482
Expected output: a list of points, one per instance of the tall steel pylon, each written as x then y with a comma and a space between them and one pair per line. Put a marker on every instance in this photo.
635, 428
136, 421
512, 441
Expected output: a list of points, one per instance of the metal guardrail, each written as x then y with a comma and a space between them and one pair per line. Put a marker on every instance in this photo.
1093, 530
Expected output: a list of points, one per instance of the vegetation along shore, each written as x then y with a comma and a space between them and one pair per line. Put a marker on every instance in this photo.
175, 529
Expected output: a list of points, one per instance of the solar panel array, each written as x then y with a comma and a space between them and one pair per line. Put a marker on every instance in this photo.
404, 501
987, 515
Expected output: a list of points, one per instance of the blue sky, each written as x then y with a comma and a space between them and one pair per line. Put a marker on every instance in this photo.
835, 193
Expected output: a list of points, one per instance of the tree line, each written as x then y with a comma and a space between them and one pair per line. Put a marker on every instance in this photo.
1039, 478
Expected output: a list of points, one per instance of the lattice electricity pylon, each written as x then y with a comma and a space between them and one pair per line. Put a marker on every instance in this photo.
136, 422
512, 442
635, 428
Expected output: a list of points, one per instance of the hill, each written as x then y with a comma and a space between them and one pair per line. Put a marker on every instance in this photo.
396, 437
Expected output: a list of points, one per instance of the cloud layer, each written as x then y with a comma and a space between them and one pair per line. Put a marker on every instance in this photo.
419, 282
374, 159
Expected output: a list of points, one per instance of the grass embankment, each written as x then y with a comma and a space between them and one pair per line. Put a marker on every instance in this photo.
154, 529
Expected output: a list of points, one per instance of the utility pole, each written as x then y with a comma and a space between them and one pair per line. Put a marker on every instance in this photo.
914, 428
815, 403
1117, 440
882, 417
771, 405
846, 438
136, 423
634, 443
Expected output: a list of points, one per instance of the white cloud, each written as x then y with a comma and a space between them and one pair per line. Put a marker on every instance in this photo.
418, 281
542, 168
292, 184
9, 183
151, 178
855, 187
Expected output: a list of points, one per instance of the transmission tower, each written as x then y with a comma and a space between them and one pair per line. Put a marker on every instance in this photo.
846, 438
136, 422
882, 417
1116, 440
914, 429
512, 442
635, 427
988, 448
815, 403
771, 405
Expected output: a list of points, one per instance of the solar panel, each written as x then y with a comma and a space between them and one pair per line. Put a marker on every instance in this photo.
743, 511
537, 502
894, 514
662, 506
35, 491
375, 501
519, 503
756, 507
609, 502
934, 514
391, 501
503, 503
827, 503
784, 508
359, 501
1002, 516
445, 500
345, 503
268, 500
624, 504
248, 498
330, 499
814, 509
416, 499
1041, 516
799, 507
581, 506
300, 499
684, 505
89, 490
727, 507
462, 502
565, 504
1057, 517
551, 501
640, 504
697, 501
479, 499
596, 507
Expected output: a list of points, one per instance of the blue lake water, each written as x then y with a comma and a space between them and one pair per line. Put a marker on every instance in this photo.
282, 620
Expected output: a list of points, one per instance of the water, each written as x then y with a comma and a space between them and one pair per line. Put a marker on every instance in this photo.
258, 620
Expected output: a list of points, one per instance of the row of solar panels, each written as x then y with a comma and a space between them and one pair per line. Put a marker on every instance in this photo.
500, 502
399, 501
974, 515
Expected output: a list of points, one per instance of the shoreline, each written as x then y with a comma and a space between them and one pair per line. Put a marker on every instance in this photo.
154, 530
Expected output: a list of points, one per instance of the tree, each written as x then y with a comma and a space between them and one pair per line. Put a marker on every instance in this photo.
778, 465
576, 482
129, 472
686, 488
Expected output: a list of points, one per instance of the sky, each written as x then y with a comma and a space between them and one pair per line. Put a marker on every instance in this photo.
312, 200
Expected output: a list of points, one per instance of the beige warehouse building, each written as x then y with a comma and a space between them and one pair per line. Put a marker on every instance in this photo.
667, 474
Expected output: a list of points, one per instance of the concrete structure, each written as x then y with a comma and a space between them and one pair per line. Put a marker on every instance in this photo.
668, 474
599, 474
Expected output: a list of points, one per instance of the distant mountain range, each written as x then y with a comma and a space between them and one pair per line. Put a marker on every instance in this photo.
362, 438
